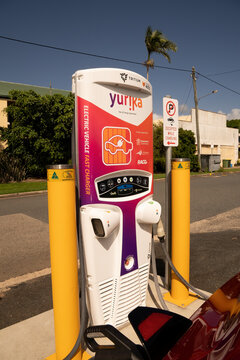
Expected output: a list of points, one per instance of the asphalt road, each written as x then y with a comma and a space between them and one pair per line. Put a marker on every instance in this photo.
25, 246
210, 195
33, 206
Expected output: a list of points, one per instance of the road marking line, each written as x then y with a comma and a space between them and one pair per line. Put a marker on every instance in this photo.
226, 221
7, 284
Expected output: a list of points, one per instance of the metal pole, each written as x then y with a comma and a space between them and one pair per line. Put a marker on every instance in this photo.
63, 250
197, 118
168, 241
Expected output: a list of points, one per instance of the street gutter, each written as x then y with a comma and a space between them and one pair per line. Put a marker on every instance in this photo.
24, 193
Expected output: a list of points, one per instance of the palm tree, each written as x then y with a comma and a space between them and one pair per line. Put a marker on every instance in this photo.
156, 42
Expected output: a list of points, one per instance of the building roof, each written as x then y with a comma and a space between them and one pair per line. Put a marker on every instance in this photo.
5, 87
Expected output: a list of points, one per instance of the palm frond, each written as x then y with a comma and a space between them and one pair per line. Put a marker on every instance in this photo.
155, 41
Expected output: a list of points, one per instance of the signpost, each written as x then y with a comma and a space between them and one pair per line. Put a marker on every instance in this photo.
170, 139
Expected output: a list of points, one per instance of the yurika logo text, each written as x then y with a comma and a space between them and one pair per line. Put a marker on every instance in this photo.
125, 100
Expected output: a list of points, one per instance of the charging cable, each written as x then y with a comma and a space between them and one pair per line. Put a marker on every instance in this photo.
155, 278
161, 239
198, 292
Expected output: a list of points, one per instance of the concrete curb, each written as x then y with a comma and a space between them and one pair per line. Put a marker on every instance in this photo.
27, 193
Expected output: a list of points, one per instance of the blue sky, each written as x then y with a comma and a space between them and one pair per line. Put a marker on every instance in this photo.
206, 32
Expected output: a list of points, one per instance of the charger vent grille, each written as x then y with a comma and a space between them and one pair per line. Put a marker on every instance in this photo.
121, 295
106, 289
132, 293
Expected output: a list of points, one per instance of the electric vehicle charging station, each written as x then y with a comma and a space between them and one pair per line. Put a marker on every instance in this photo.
114, 171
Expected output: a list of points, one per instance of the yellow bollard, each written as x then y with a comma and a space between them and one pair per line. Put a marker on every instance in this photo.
180, 232
63, 250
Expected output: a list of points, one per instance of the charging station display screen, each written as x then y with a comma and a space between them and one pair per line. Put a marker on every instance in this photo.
122, 186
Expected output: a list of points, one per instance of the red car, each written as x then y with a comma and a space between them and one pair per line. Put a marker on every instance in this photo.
215, 331
212, 333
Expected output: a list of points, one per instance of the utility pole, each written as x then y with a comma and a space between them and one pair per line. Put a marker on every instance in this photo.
197, 119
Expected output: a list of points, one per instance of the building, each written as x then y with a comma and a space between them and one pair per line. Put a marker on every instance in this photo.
5, 87
215, 136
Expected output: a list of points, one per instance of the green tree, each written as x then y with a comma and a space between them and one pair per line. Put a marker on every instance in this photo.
158, 149
185, 149
234, 124
156, 42
40, 130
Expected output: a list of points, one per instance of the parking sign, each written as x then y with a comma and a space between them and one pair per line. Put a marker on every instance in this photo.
170, 122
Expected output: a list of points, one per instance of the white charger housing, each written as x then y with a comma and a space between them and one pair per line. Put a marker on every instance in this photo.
148, 212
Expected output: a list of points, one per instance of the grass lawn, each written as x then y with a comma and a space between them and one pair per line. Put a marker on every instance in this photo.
25, 186
158, 176
236, 169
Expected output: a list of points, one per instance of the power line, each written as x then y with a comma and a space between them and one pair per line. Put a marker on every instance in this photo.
171, 68
216, 82
87, 54
185, 102
110, 58
224, 72
67, 50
